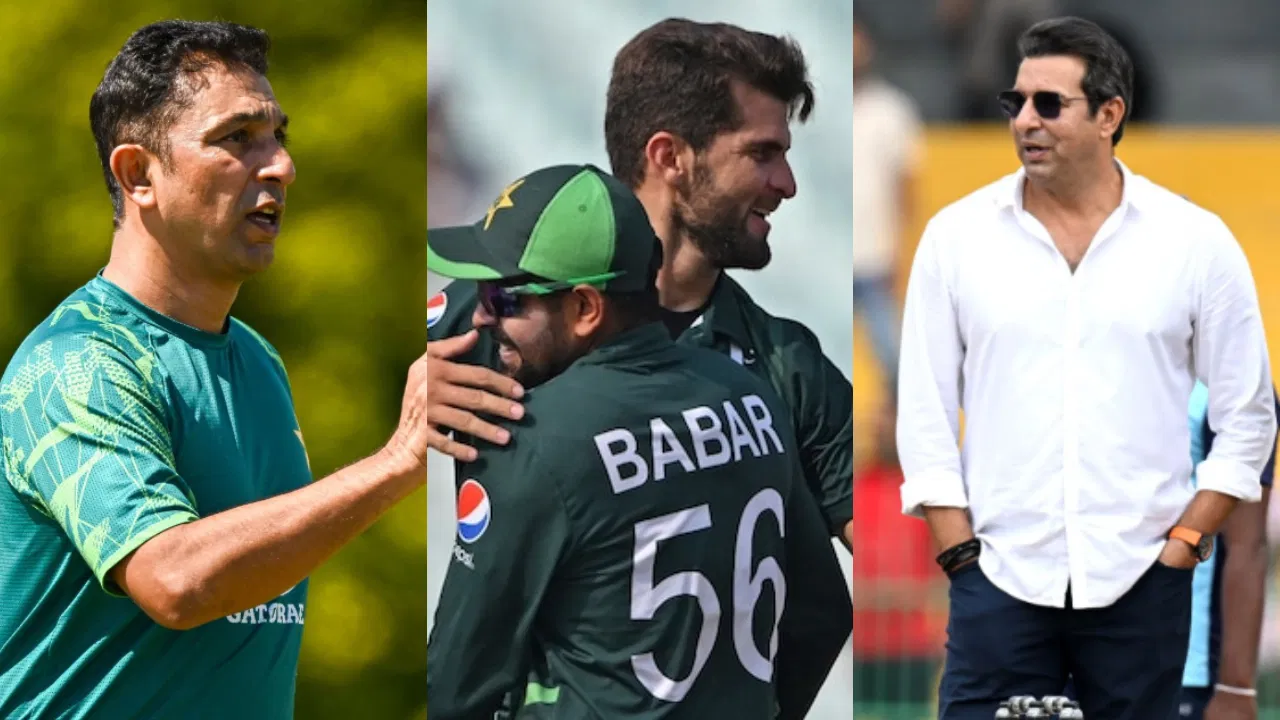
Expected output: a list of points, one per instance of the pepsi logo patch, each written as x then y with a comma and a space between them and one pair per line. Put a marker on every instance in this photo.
435, 308
473, 511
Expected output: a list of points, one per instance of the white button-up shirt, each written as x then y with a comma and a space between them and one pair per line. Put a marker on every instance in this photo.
1074, 387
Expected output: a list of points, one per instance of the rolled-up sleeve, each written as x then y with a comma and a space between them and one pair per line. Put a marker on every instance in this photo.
1230, 350
929, 371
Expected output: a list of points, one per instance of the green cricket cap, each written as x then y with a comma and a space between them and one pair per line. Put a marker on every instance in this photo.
571, 224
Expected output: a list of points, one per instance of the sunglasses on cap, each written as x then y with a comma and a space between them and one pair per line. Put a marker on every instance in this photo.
503, 301
1048, 105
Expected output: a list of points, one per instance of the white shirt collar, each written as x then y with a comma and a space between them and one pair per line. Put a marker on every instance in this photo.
1133, 196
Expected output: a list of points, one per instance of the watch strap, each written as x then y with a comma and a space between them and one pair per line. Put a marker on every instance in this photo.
1186, 535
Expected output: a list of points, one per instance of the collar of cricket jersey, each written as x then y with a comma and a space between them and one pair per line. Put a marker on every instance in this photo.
192, 335
634, 343
723, 316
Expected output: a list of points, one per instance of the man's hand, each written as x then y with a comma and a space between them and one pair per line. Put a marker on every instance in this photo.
221, 564
1177, 554
407, 447
1228, 706
453, 393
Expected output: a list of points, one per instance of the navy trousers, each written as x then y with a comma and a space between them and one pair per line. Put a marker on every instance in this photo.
1125, 660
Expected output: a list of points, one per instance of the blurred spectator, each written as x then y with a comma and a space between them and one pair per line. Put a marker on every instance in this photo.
887, 136
899, 597
452, 179
983, 35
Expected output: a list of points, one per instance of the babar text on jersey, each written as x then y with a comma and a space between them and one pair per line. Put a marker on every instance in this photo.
717, 436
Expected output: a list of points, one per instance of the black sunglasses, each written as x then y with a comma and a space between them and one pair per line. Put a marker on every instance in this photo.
1048, 105
503, 301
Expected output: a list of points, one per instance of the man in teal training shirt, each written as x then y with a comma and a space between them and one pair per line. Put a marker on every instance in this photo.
159, 518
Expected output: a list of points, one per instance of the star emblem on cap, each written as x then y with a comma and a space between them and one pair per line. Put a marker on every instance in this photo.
503, 201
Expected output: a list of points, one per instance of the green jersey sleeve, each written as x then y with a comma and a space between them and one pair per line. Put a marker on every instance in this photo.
818, 616
512, 532
821, 399
86, 443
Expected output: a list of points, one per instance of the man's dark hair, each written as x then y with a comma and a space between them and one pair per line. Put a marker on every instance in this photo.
676, 76
634, 309
1108, 69
143, 89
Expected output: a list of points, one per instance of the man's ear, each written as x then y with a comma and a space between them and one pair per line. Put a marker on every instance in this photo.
586, 305
1110, 114
132, 167
668, 158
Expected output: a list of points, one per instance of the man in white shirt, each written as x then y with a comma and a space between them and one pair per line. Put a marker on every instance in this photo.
1068, 309
886, 151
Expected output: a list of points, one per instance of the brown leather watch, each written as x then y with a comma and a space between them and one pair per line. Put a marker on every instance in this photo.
1200, 543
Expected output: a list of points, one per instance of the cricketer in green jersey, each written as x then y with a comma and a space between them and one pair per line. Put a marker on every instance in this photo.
632, 551
159, 521
120, 423
697, 124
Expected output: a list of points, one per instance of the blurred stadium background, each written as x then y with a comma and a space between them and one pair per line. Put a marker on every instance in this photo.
1207, 125
343, 303
515, 86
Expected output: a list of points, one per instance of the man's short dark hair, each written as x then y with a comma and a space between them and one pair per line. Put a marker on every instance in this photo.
676, 76
1108, 69
141, 93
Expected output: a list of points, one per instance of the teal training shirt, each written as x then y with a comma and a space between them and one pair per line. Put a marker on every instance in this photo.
119, 423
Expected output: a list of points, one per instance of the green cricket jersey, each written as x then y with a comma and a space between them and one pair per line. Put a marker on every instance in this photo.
780, 351
119, 423
787, 356
626, 552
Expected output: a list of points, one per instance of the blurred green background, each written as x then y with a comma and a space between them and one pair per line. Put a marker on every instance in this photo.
344, 302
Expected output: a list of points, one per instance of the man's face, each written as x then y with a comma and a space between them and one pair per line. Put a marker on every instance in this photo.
1046, 146
534, 344
740, 178
220, 197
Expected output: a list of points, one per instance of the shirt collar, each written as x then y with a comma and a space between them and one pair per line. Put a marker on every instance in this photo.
723, 316
1134, 195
